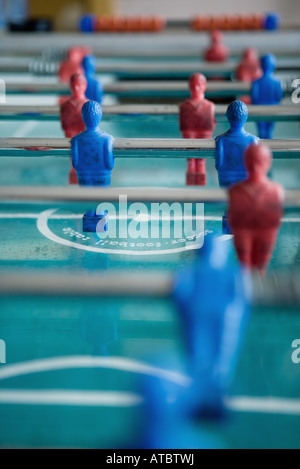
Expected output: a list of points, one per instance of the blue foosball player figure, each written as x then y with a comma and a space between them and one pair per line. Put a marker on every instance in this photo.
230, 148
94, 90
212, 297
267, 90
92, 159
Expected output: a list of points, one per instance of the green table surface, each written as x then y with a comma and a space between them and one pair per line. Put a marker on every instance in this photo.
46, 237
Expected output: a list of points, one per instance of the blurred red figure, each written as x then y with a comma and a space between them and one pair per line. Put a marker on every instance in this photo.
70, 113
217, 52
71, 65
255, 210
197, 120
249, 68
84, 51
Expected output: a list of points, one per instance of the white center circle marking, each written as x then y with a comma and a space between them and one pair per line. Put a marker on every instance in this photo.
43, 227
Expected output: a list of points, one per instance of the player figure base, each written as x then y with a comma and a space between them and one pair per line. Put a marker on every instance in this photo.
90, 224
225, 226
216, 411
195, 179
200, 179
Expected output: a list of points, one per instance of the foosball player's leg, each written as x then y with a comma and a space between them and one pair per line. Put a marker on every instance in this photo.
263, 247
265, 129
190, 174
243, 242
93, 222
200, 172
72, 176
225, 224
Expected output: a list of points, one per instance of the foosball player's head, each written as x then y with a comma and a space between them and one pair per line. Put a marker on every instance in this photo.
91, 114
257, 159
250, 54
78, 84
237, 114
197, 85
268, 63
74, 54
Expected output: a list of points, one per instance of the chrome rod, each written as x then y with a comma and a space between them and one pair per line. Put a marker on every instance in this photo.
276, 289
94, 194
141, 68
147, 111
150, 194
116, 284
120, 87
140, 147
131, 53
186, 67
277, 42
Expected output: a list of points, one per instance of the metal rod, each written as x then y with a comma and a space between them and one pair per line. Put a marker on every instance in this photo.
116, 284
277, 289
140, 147
112, 194
177, 53
129, 112
186, 68
223, 88
142, 68
276, 42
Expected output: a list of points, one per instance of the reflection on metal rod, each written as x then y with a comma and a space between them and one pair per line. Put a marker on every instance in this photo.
111, 194
140, 147
278, 288
128, 112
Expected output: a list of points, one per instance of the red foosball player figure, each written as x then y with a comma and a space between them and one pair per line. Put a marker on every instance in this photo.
255, 210
248, 70
197, 120
71, 65
217, 52
70, 113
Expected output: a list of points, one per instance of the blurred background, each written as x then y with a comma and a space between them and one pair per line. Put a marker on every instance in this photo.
65, 13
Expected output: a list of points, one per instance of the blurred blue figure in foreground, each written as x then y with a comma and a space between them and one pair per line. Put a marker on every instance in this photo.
212, 296
167, 425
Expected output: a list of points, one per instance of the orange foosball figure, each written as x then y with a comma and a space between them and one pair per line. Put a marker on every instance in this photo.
197, 120
70, 113
255, 210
